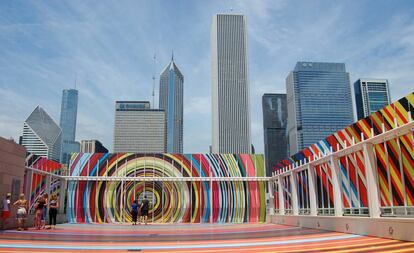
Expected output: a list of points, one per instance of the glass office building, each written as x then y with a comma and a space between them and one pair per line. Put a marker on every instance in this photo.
171, 101
319, 102
370, 96
68, 115
274, 129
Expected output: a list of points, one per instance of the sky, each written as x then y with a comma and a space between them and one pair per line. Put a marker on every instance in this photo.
107, 49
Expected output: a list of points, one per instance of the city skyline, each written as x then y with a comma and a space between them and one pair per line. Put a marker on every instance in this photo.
61, 44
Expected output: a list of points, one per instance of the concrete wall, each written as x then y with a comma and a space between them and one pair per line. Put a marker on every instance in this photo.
12, 167
393, 228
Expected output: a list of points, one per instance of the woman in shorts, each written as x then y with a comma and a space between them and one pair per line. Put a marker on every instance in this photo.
39, 212
22, 208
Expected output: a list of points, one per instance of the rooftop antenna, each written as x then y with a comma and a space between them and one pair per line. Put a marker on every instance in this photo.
153, 82
76, 79
172, 55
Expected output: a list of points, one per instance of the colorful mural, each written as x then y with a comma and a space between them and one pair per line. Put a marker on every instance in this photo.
394, 158
173, 200
38, 181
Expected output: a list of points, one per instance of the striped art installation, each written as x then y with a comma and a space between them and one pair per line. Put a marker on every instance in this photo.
182, 197
394, 161
38, 182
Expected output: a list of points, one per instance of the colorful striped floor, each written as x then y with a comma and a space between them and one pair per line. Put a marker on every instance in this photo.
192, 238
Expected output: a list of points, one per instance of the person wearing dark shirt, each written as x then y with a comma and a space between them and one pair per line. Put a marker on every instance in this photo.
134, 212
144, 209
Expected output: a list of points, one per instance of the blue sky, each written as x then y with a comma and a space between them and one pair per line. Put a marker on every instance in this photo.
107, 46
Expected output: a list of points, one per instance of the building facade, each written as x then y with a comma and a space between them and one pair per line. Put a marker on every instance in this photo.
41, 135
12, 173
68, 116
274, 129
139, 129
92, 146
319, 102
230, 85
171, 101
370, 96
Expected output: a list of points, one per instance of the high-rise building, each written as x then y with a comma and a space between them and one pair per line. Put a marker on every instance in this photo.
230, 85
319, 102
274, 129
370, 96
68, 115
139, 129
171, 101
92, 146
41, 135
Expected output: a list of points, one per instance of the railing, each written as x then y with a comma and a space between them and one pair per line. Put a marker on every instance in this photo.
370, 178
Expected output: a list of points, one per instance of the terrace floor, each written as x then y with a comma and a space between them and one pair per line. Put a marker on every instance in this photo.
251, 237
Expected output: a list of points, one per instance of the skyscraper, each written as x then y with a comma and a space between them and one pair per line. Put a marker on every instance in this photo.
319, 102
370, 96
92, 146
171, 101
274, 129
139, 129
41, 135
230, 85
68, 115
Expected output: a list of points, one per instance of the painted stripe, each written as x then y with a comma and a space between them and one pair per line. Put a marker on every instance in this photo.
193, 246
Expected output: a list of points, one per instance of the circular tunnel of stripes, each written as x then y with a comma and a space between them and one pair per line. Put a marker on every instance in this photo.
171, 200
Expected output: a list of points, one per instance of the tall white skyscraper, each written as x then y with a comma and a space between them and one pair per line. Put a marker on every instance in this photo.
230, 85
171, 101
138, 129
41, 135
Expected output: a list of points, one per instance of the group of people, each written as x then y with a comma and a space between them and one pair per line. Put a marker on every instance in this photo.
41, 206
140, 211
22, 205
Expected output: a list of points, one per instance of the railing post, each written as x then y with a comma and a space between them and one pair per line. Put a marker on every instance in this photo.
336, 185
271, 197
28, 184
312, 192
62, 192
371, 174
293, 183
281, 195
48, 182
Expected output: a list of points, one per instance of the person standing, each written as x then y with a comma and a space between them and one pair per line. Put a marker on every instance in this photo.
39, 212
144, 209
5, 212
22, 208
53, 210
134, 212
44, 210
